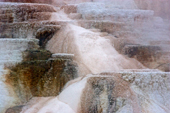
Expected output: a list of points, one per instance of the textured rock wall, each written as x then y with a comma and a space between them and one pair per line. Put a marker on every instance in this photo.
25, 21
20, 81
160, 7
37, 75
124, 92
149, 31
40, 74
10, 50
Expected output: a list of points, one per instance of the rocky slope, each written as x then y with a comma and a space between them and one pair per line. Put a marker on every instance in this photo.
27, 69
160, 7
116, 53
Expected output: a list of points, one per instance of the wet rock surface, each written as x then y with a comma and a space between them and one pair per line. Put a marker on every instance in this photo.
99, 96
40, 76
120, 92
116, 36
18, 12
26, 20
28, 29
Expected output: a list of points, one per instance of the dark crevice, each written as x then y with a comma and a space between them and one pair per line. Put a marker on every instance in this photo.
44, 36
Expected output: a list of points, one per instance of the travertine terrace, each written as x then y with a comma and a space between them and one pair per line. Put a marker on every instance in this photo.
84, 56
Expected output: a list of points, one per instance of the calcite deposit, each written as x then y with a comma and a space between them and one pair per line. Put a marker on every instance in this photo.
84, 56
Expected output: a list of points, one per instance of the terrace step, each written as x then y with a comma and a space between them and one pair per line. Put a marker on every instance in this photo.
115, 85
11, 56
119, 43
27, 29
143, 53
63, 55
24, 8
75, 16
107, 26
36, 16
139, 70
19, 12
7, 18
17, 44
89, 11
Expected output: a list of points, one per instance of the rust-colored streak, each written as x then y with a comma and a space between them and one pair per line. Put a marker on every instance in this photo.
40, 76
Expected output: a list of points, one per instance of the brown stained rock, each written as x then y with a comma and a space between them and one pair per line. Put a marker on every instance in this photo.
164, 67
92, 100
4, 10
103, 95
6, 31
61, 72
109, 92
45, 33
150, 56
25, 8
141, 52
120, 43
26, 29
6, 18
40, 76
32, 16
16, 109
32, 55
25, 12
39, 16
63, 55
19, 12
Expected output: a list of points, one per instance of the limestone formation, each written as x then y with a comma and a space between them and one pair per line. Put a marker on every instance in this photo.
40, 75
122, 92
84, 56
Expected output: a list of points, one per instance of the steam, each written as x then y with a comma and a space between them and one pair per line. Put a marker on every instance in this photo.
160, 7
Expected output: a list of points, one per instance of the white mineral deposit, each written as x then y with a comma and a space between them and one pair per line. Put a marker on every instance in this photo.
84, 56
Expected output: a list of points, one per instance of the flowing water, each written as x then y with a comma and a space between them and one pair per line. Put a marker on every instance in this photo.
109, 81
